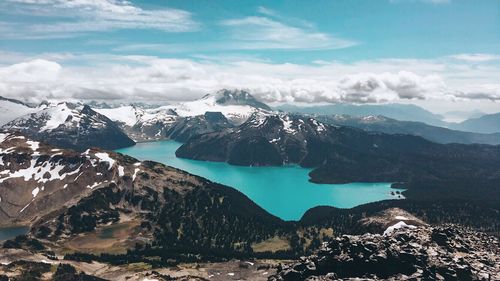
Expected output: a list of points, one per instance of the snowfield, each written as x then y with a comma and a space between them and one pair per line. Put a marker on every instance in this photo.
10, 111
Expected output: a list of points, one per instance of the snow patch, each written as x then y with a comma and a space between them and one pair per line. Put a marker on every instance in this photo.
37, 172
275, 140
104, 157
137, 170
128, 115
24, 208
121, 171
397, 226
34, 145
287, 125
57, 116
94, 185
35, 192
401, 218
319, 126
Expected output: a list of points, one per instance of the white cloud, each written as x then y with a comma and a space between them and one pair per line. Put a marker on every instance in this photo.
257, 32
145, 78
38, 70
266, 11
476, 57
79, 16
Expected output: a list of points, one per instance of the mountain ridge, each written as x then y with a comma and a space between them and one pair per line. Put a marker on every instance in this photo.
68, 125
403, 112
487, 124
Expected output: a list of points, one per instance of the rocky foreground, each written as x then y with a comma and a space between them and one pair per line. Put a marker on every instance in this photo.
447, 252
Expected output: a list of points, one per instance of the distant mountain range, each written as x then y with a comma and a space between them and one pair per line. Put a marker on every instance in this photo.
461, 115
391, 126
181, 121
485, 124
403, 112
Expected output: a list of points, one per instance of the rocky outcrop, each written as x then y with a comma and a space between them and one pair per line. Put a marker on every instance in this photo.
446, 252
73, 126
385, 220
185, 128
239, 97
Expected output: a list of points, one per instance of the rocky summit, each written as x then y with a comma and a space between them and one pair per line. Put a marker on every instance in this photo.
187, 127
446, 252
239, 97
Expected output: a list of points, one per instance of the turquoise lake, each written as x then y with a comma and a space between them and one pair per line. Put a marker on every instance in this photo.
283, 191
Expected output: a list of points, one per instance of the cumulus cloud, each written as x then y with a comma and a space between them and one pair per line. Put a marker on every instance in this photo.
152, 79
38, 70
79, 16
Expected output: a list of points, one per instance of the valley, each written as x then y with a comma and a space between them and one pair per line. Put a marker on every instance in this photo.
240, 193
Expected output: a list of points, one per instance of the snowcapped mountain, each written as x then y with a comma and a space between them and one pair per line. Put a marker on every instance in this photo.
142, 124
239, 97
11, 109
235, 105
154, 123
72, 126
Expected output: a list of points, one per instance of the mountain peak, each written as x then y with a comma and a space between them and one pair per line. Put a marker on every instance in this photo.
70, 125
238, 97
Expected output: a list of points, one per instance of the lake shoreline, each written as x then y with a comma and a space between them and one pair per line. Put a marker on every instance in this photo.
284, 191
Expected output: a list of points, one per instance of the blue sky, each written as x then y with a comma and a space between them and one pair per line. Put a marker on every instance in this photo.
353, 29
422, 43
